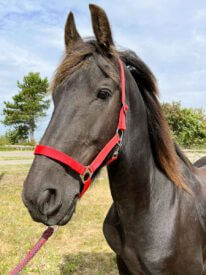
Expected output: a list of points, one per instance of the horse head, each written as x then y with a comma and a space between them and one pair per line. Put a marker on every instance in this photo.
86, 95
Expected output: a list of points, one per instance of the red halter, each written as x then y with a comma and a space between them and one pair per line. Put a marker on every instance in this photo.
86, 172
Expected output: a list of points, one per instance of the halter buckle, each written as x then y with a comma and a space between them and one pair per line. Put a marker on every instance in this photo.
125, 107
87, 175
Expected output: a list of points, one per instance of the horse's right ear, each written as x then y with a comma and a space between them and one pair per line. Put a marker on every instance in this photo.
101, 26
71, 35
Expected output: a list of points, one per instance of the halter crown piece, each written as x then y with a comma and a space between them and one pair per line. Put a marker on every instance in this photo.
86, 172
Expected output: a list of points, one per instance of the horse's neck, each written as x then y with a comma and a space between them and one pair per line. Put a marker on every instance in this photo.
136, 183
135, 176
130, 176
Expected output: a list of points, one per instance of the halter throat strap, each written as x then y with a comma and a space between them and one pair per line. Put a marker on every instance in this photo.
86, 172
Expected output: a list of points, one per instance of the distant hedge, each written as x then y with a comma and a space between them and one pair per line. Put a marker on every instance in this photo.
5, 143
188, 125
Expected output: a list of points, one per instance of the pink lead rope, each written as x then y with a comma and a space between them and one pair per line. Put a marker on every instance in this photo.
45, 236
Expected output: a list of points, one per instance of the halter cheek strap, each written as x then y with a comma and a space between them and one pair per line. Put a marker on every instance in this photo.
86, 172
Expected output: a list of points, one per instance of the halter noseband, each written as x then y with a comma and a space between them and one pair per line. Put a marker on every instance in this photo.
86, 172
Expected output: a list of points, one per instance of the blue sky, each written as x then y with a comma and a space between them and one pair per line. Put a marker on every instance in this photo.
170, 36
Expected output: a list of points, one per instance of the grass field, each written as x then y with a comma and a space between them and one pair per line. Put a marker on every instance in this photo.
77, 248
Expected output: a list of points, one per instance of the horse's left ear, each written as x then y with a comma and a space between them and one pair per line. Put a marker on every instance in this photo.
71, 35
101, 26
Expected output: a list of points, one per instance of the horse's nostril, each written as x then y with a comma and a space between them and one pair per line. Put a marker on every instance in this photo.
49, 201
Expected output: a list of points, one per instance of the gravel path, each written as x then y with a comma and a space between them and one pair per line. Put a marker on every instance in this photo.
15, 162
194, 156
14, 155
28, 155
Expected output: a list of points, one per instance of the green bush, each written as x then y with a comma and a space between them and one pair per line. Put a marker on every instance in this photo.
18, 135
10, 138
188, 125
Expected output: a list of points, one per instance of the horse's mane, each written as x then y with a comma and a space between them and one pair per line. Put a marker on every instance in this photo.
165, 152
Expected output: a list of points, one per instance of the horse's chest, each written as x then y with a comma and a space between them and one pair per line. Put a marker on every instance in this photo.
150, 251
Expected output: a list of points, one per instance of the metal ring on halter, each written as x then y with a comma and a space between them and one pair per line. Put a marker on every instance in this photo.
120, 134
116, 152
87, 175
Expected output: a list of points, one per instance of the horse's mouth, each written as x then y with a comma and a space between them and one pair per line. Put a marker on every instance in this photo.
49, 220
69, 214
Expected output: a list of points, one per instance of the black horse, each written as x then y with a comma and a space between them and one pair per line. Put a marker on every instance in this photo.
157, 222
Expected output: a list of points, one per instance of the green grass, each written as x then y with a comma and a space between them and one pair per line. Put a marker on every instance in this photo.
77, 248
14, 169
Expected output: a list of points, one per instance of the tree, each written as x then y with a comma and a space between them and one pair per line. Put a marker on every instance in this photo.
188, 125
17, 135
27, 107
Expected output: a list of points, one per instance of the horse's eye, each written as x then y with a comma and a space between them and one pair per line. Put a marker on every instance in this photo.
104, 94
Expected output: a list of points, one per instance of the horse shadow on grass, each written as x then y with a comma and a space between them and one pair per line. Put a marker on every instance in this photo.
89, 263
1, 176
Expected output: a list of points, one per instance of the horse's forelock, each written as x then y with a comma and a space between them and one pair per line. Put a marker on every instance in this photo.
71, 62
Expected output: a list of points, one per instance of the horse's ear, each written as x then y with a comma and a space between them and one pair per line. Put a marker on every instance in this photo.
101, 26
71, 35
